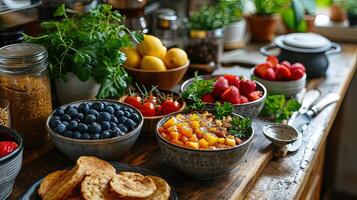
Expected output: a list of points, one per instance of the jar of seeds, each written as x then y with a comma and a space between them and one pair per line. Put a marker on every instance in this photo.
24, 81
4, 113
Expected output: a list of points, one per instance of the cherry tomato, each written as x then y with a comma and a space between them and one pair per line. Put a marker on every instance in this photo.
133, 100
273, 60
158, 110
151, 99
148, 109
170, 106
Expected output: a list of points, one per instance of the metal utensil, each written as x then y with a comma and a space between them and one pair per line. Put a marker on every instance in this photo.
303, 120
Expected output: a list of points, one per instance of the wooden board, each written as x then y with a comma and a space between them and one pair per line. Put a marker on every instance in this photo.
38, 162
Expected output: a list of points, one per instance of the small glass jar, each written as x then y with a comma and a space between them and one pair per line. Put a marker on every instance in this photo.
167, 29
25, 82
204, 48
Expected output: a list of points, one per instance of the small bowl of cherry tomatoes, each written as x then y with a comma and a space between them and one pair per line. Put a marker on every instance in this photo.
280, 77
246, 96
154, 105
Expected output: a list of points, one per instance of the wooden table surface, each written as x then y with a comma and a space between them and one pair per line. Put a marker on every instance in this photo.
257, 175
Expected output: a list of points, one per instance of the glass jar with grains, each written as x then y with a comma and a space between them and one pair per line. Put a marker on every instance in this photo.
24, 81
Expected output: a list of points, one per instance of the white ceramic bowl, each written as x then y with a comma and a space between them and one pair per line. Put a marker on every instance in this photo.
287, 88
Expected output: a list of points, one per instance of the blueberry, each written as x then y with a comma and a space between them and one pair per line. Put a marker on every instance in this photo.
124, 109
94, 128
105, 125
98, 106
93, 112
123, 128
58, 112
104, 116
65, 123
68, 133
80, 116
130, 124
114, 119
105, 134
83, 108
66, 110
130, 110
113, 125
77, 135
95, 136
135, 117
66, 118
90, 119
72, 112
54, 123
122, 120
127, 114
60, 129
82, 128
109, 109
72, 125
116, 132
105, 103
119, 113
77, 120
116, 107
85, 136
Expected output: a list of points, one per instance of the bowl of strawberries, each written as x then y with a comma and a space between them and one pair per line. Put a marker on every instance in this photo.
246, 96
280, 77
154, 104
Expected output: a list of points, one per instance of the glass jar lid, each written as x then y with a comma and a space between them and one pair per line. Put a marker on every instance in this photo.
22, 58
202, 34
167, 21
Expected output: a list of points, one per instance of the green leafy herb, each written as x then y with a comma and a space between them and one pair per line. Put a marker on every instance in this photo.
269, 7
280, 108
88, 46
241, 127
222, 110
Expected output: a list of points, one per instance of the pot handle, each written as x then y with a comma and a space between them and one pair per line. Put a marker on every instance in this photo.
335, 49
265, 49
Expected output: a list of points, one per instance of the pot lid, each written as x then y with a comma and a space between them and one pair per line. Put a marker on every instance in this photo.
303, 42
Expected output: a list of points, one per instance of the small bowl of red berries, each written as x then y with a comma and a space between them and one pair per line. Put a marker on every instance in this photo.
11, 148
247, 96
153, 104
280, 77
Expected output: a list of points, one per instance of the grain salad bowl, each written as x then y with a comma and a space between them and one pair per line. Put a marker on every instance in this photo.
200, 163
107, 149
10, 165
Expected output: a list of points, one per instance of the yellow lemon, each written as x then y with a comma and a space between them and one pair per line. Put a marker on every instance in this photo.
175, 57
151, 46
152, 63
133, 58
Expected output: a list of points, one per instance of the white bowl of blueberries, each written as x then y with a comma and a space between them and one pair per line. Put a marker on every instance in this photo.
101, 128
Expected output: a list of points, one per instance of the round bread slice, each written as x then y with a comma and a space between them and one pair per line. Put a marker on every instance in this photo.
162, 191
49, 181
131, 185
96, 187
95, 165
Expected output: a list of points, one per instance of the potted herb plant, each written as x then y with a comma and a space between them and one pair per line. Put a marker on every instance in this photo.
204, 44
85, 60
337, 14
300, 16
263, 24
351, 10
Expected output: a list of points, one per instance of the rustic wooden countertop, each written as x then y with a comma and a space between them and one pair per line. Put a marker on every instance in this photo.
257, 177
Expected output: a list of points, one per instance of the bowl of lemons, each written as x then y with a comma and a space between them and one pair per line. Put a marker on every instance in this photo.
151, 63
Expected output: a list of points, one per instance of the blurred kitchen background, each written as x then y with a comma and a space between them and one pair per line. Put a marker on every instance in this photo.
168, 19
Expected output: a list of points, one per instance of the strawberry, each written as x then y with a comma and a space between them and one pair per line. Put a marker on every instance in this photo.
273, 60
255, 95
207, 98
7, 147
220, 86
269, 74
247, 86
233, 80
299, 65
231, 95
261, 68
243, 99
286, 63
282, 72
296, 73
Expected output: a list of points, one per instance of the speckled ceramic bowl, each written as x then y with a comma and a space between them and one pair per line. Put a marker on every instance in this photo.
202, 164
107, 149
250, 109
10, 165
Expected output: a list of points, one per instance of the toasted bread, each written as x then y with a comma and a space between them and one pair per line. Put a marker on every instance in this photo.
96, 187
129, 185
162, 191
96, 165
49, 181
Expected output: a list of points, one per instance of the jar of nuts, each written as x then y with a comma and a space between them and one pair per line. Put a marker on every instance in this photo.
25, 82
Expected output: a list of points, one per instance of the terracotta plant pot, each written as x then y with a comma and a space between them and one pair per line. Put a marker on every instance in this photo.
337, 14
310, 20
263, 27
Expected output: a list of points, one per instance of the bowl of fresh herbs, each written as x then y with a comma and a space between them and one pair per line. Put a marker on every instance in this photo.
85, 60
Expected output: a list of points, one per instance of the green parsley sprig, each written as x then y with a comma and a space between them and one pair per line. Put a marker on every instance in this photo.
279, 108
241, 127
